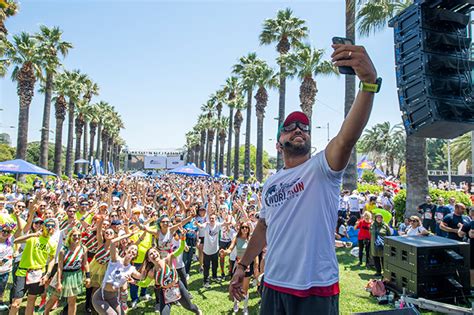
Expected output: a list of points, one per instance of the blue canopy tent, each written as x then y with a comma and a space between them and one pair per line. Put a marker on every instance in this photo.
190, 170
22, 167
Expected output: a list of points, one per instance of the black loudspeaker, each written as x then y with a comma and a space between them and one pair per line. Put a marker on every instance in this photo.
129, 157
403, 311
434, 68
431, 267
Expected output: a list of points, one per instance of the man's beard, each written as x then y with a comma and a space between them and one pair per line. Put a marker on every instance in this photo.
297, 149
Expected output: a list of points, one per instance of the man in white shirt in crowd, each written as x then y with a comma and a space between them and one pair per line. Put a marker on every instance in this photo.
299, 207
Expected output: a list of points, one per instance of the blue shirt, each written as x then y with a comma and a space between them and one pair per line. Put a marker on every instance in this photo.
191, 229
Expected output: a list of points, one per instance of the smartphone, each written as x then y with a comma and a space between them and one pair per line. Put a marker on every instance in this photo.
344, 41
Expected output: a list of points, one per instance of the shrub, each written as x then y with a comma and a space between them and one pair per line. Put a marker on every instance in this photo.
6, 180
400, 200
373, 189
64, 177
369, 177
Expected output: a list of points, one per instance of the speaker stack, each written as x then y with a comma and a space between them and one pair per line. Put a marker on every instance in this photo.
433, 67
430, 267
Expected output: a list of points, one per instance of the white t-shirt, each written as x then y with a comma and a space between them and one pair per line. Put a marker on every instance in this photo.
165, 242
117, 274
179, 260
353, 201
6, 256
415, 231
300, 209
211, 238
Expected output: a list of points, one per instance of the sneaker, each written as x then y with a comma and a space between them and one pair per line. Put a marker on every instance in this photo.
191, 296
195, 258
124, 307
201, 269
146, 297
134, 305
378, 274
245, 311
187, 277
3, 307
236, 307
88, 310
223, 275
207, 285
157, 308
216, 279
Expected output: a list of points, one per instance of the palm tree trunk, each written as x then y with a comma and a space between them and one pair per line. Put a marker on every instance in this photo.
259, 162
70, 139
85, 153
91, 146
99, 135
236, 154
201, 151
221, 154
247, 136
416, 172
44, 144
229, 141
78, 150
281, 108
25, 90
349, 180
58, 147
104, 152
211, 141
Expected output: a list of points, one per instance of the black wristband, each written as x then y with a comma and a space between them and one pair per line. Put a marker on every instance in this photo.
88, 275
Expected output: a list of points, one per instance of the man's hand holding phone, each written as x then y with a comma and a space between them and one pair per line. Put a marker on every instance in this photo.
355, 57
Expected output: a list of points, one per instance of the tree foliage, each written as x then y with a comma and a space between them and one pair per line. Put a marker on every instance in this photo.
6, 152
33, 154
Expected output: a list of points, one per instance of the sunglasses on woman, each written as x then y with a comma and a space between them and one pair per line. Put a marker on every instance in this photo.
293, 125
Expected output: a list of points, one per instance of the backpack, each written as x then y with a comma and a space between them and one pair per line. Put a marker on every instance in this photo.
376, 287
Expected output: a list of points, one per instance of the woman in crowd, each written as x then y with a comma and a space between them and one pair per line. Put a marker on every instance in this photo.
416, 228
68, 282
106, 300
240, 242
171, 289
363, 225
378, 230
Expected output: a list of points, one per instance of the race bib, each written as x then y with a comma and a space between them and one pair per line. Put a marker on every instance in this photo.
34, 276
439, 216
172, 294
427, 215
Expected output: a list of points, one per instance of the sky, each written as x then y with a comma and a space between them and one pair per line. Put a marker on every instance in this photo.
157, 62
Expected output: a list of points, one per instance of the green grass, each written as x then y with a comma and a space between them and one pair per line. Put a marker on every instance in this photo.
353, 297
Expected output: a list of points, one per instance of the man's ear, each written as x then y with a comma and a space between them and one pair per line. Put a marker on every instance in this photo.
278, 147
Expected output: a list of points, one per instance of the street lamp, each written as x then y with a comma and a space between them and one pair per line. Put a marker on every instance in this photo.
322, 127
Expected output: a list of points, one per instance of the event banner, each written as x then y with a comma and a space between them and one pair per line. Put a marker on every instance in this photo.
173, 162
155, 162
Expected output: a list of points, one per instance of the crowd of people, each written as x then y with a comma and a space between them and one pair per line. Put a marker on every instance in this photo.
363, 214
122, 238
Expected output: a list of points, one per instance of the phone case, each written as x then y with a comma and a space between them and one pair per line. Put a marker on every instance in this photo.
342, 40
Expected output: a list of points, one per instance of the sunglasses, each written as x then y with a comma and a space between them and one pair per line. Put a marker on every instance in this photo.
6, 231
84, 205
71, 211
165, 222
76, 235
109, 233
21, 207
38, 222
244, 227
50, 226
293, 125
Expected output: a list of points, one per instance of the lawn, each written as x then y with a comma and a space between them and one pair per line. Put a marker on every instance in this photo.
353, 298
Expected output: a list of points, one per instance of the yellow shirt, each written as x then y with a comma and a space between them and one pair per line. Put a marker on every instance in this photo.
369, 207
36, 254
143, 246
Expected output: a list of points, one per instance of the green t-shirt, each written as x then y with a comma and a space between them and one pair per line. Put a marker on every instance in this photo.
36, 254
143, 246
80, 215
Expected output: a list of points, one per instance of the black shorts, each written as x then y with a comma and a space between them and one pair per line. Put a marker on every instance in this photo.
20, 288
248, 272
201, 240
224, 245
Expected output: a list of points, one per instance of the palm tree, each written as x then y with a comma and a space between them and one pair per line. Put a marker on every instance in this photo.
7, 8
246, 70
373, 16
232, 88
103, 110
461, 149
238, 119
23, 52
209, 110
94, 118
286, 30
223, 126
60, 89
50, 45
306, 62
201, 127
219, 98
90, 89
76, 81
266, 78
80, 122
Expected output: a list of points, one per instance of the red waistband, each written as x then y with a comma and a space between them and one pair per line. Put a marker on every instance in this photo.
330, 290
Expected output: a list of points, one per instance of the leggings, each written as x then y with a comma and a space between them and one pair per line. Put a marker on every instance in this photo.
208, 259
364, 244
106, 303
182, 276
185, 301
